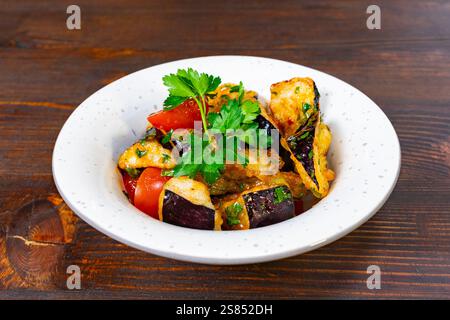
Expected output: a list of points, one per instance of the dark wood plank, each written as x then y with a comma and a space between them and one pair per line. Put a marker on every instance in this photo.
46, 71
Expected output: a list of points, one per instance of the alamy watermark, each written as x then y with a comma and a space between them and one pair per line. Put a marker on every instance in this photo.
73, 21
74, 279
374, 280
374, 20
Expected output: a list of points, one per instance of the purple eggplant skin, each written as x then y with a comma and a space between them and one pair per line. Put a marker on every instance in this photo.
181, 212
265, 124
263, 208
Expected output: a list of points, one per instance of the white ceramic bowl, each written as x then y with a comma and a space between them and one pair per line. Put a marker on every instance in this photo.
364, 153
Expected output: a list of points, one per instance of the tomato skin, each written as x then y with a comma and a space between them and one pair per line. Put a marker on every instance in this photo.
129, 184
148, 188
181, 117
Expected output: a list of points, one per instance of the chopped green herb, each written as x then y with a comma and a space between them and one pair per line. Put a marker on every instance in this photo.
133, 172
167, 137
305, 135
236, 88
310, 154
166, 157
297, 89
141, 153
167, 173
142, 141
233, 212
281, 195
306, 107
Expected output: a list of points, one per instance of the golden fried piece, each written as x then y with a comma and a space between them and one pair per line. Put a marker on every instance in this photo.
316, 178
146, 153
291, 179
225, 92
292, 103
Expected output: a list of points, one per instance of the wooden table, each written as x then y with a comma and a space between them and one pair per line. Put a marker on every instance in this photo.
47, 70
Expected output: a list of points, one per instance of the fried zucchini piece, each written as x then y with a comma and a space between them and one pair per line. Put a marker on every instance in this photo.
292, 103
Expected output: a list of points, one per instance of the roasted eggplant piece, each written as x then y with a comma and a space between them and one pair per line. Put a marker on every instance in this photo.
258, 207
292, 103
295, 106
269, 206
309, 149
186, 202
265, 122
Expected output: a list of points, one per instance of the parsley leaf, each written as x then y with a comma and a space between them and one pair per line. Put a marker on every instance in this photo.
167, 137
250, 110
234, 115
172, 102
200, 158
187, 84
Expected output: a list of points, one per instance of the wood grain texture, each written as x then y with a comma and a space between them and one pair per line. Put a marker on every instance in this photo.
47, 70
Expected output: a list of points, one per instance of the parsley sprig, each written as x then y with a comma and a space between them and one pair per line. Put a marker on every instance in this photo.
227, 131
189, 84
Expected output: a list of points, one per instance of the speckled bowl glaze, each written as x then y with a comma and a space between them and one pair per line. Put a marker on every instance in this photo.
365, 153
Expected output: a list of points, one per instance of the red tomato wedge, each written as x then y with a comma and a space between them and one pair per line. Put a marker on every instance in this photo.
181, 117
148, 189
129, 184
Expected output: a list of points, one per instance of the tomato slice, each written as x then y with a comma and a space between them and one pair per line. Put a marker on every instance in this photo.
148, 189
130, 185
182, 117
